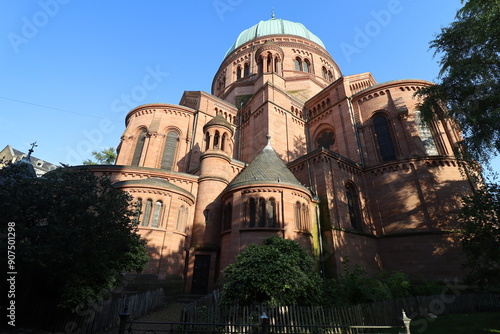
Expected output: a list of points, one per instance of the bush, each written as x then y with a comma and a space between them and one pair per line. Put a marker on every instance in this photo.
356, 286
278, 272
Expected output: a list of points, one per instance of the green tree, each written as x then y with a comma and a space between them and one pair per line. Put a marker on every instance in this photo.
469, 78
105, 157
479, 235
278, 272
73, 234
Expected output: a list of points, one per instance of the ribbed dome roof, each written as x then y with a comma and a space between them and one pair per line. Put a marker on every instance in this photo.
274, 27
219, 120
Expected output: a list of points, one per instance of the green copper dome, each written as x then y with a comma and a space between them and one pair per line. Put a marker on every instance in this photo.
274, 27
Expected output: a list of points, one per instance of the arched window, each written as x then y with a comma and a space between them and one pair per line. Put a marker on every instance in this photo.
157, 214
216, 139
138, 211
269, 63
353, 206
262, 212
272, 213
425, 135
147, 213
182, 216
324, 72
223, 143
305, 218
384, 138
139, 146
228, 214
252, 212
307, 222
298, 64
207, 141
169, 150
298, 216
277, 65
238, 73
246, 71
260, 65
306, 66
330, 76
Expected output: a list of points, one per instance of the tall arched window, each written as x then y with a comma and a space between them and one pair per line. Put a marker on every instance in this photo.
269, 63
277, 65
306, 66
238, 73
207, 141
298, 216
216, 139
425, 135
169, 150
228, 214
138, 211
157, 214
223, 142
147, 213
182, 216
252, 212
260, 65
262, 212
246, 71
324, 72
353, 206
139, 146
305, 218
384, 138
298, 64
272, 213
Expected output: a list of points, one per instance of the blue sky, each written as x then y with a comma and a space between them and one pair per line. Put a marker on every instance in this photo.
72, 69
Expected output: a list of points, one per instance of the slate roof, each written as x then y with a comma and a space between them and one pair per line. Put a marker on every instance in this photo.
155, 182
267, 167
40, 166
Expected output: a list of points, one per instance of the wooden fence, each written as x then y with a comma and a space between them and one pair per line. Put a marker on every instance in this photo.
96, 318
385, 313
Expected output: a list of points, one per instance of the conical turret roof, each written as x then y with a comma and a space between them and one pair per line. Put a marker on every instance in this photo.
267, 167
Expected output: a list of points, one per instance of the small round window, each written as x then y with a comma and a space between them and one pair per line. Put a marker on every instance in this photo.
326, 139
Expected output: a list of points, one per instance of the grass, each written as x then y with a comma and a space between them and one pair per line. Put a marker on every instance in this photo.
469, 323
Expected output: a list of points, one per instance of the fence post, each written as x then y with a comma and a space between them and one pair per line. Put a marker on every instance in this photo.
264, 323
406, 322
123, 320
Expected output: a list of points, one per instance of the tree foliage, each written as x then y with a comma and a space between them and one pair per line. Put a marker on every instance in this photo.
468, 91
357, 286
479, 235
105, 157
278, 272
73, 232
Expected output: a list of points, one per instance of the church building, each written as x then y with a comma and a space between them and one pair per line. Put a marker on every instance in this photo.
287, 145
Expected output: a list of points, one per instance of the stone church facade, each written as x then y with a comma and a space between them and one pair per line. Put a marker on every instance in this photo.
287, 145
